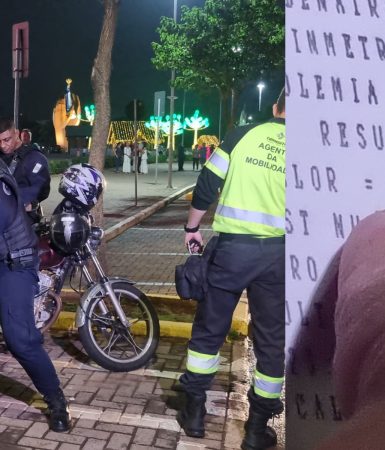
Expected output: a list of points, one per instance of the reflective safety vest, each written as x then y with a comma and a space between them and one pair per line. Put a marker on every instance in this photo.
252, 200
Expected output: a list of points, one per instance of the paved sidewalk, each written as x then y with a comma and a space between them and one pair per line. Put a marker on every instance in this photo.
122, 411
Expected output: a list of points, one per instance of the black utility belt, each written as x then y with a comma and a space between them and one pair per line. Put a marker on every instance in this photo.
251, 238
21, 259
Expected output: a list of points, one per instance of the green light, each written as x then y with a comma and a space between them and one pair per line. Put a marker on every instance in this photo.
90, 113
196, 123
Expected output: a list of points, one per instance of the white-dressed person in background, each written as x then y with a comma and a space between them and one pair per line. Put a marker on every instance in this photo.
144, 166
127, 154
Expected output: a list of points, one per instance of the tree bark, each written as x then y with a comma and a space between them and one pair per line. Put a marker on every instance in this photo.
100, 79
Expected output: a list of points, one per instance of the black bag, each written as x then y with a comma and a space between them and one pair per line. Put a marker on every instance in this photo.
191, 277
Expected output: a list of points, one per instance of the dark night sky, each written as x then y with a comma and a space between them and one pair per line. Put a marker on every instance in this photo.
64, 36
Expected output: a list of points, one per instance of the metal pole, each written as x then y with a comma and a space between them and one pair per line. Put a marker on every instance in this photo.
157, 141
18, 69
260, 98
136, 151
183, 113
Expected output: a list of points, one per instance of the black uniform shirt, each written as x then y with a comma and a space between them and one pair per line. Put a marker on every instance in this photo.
31, 173
8, 207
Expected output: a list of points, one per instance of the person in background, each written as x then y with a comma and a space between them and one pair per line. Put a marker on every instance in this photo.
127, 152
181, 157
144, 165
195, 157
118, 153
27, 164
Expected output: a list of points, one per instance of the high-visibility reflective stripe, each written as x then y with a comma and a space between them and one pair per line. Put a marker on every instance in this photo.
250, 216
219, 161
202, 363
266, 386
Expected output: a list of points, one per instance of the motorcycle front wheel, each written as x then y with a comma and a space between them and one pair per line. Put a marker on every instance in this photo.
108, 342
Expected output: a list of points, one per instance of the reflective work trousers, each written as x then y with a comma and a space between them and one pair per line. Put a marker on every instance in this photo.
242, 262
24, 341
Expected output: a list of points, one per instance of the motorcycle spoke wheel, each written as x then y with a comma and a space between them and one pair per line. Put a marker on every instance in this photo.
109, 342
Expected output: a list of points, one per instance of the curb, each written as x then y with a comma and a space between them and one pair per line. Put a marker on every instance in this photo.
239, 326
125, 224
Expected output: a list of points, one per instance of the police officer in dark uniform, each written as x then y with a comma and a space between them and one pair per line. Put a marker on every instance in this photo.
18, 285
28, 165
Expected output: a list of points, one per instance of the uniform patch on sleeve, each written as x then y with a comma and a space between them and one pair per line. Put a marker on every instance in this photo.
36, 168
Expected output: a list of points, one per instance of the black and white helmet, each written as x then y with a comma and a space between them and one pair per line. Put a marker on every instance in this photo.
82, 184
68, 232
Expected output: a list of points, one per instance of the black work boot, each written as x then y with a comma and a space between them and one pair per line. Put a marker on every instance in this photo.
258, 435
191, 417
59, 417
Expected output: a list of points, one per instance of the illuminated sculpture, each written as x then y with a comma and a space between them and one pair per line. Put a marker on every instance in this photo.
196, 123
90, 114
67, 111
177, 128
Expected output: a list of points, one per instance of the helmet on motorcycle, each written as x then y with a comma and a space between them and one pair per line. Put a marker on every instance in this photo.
82, 184
69, 232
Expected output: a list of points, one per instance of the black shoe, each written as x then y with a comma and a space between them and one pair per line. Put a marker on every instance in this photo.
191, 417
258, 435
58, 414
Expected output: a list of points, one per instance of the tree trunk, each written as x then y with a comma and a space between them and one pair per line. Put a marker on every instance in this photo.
100, 79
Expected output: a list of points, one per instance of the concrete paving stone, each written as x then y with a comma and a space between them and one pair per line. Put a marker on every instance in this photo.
155, 407
110, 416
112, 427
209, 443
134, 409
12, 413
216, 427
85, 387
5, 446
190, 446
38, 443
144, 436
86, 432
19, 423
105, 404
37, 430
234, 434
118, 441
69, 438
165, 443
33, 416
141, 447
86, 423
99, 376
171, 412
146, 387
66, 446
94, 444
11, 435
84, 397
87, 415
126, 391
105, 394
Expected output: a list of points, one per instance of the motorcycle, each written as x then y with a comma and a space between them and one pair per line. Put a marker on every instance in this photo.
117, 323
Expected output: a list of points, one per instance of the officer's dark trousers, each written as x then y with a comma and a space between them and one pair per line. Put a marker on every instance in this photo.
258, 265
23, 340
